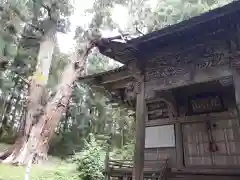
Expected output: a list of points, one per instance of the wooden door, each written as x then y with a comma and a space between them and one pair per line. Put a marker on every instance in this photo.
227, 138
196, 145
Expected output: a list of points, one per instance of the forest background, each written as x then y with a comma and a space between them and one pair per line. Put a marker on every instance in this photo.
38, 40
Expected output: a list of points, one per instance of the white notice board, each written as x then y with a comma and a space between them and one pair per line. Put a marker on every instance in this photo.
160, 136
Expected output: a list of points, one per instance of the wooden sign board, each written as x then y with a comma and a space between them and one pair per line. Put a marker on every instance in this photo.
205, 103
157, 110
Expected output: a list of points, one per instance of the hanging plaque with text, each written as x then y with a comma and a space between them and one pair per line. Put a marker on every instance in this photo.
205, 103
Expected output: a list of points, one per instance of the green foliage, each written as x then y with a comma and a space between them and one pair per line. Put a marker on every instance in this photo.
45, 172
65, 144
148, 18
59, 61
90, 160
88, 110
124, 153
63, 172
53, 169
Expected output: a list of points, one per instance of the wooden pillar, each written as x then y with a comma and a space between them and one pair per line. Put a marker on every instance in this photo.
106, 169
236, 82
107, 159
178, 130
234, 49
140, 134
179, 145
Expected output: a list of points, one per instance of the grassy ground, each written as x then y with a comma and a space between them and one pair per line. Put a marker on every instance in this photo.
8, 172
53, 169
64, 172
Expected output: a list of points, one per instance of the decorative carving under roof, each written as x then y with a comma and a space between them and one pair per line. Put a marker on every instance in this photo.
198, 50
218, 24
177, 65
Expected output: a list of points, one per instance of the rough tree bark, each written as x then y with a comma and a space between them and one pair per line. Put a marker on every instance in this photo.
37, 142
36, 97
38, 82
17, 145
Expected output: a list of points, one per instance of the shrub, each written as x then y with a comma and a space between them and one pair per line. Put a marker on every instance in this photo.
125, 153
90, 161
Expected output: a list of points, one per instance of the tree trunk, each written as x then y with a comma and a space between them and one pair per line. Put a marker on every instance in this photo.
18, 142
14, 114
7, 107
37, 95
37, 91
65, 123
37, 143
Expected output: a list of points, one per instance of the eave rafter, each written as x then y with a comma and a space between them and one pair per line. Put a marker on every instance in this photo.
112, 84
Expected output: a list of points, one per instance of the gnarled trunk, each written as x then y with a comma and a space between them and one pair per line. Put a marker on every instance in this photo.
35, 102
37, 92
37, 143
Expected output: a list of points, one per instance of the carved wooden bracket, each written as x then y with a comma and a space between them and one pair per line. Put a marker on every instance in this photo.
168, 100
172, 113
134, 70
130, 92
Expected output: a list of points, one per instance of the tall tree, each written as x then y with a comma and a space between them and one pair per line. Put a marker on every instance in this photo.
42, 29
88, 109
42, 131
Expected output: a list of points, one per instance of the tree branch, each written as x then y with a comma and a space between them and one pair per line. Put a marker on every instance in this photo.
48, 9
138, 30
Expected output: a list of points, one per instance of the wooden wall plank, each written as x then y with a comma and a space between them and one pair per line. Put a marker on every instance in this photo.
160, 154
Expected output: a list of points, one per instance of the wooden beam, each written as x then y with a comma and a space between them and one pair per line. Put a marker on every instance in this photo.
140, 134
200, 76
118, 84
134, 70
108, 77
192, 119
236, 83
116, 76
111, 91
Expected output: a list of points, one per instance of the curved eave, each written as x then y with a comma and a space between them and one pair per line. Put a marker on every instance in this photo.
215, 24
107, 76
111, 84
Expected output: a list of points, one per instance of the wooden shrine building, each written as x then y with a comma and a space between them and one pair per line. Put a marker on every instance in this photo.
184, 83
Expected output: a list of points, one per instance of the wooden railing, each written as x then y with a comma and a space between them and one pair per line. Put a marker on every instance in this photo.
120, 164
152, 169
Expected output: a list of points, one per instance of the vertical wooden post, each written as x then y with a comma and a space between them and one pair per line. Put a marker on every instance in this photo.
179, 145
234, 50
107, 159
106, 167
236, 82
140, 134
